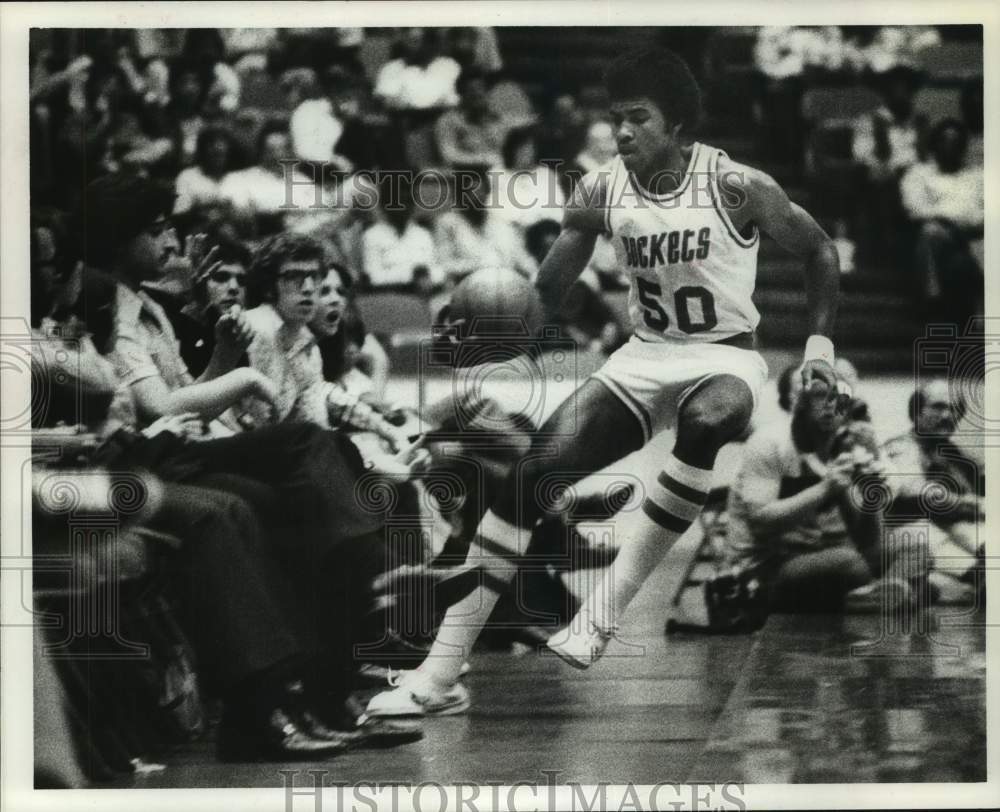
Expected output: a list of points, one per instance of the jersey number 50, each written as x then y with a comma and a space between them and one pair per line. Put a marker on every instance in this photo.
656, 318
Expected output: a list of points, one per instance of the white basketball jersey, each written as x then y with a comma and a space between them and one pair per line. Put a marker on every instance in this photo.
692, 273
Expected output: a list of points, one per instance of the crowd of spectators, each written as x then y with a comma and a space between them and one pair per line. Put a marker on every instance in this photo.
913, 202
263, 131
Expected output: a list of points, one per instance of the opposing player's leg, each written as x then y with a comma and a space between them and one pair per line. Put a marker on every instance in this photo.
715, 413
591, 430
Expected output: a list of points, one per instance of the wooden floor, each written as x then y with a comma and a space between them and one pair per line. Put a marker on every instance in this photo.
807, 699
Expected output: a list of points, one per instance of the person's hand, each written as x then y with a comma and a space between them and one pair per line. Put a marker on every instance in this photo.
817, 374
413, 459
203, 259
187, 426
262, 387
840, 473
415, 455
233, 333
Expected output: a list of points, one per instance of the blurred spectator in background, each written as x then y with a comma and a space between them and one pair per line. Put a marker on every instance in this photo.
215, 157
185, 116
599, 147
472, 236
318, 49
315, 128
247, 49
105, 127
324, 126
472, 134
894, 45
397, 250
887, 142
781, 55
925, 458
475, 48
418, 77
261, 192
561, 130
784, 52
366, 137
944, 199
585, 316
971, 102
205, 50
527, 191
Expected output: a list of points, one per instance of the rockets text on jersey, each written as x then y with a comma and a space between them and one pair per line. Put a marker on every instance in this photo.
692, 272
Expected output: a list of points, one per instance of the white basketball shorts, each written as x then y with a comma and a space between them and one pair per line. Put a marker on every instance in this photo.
653, 378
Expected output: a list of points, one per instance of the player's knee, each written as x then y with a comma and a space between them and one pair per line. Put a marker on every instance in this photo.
714, 422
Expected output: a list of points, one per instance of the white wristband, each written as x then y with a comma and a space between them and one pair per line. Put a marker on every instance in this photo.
819, 348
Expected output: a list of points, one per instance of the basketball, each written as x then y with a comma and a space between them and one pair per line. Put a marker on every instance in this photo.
495, 302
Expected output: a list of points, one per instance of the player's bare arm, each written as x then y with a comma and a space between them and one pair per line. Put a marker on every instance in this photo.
756, 198
583, 220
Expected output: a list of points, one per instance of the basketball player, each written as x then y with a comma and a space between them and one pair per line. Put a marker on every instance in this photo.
685, 221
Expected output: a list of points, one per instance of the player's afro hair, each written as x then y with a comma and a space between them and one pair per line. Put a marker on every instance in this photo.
660, 75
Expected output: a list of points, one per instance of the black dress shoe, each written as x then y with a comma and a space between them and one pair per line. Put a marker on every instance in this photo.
309, 720
279, 738
378, 731
349, 720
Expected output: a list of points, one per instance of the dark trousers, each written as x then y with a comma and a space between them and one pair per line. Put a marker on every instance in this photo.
324, 525
227, 600
949, 278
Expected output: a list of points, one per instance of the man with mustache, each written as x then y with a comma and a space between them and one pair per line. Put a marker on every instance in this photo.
924, 460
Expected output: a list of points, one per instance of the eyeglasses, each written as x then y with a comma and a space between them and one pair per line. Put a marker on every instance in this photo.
225, 277
299, 278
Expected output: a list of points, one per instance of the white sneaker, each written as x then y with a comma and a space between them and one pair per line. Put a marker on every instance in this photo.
581, 649
419, 695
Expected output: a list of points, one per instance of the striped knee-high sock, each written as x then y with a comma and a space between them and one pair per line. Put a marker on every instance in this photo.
497, 549
672, 503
